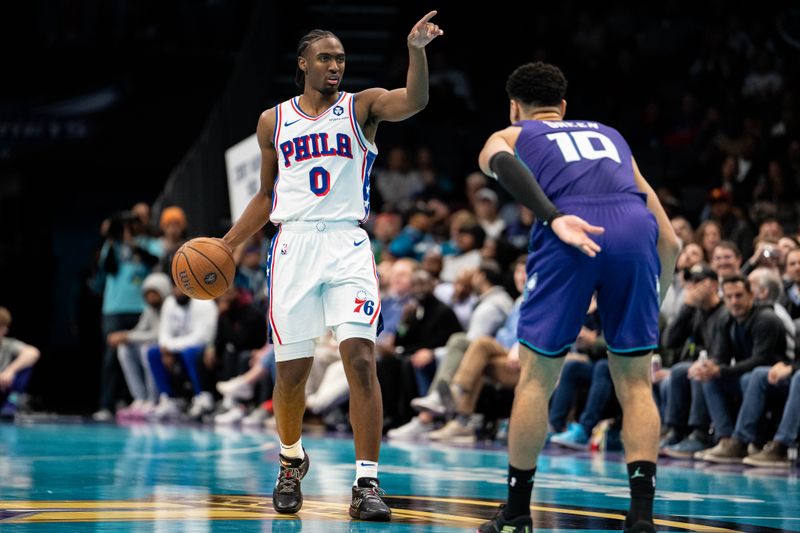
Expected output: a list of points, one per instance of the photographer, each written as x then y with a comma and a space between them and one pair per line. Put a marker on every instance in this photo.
126, 258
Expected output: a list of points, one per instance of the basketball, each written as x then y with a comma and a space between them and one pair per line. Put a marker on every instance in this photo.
203, 268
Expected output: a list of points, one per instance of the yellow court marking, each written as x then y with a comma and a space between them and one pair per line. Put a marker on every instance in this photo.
578, 512
255, 508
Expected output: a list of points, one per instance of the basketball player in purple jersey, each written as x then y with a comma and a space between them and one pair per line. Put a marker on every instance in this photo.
579, 178
317, 150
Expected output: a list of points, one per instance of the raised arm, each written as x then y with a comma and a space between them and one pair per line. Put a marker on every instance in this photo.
400, 104
497, 159
256, 214
668, 245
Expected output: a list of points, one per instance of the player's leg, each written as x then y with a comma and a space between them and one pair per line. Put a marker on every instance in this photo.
289, 403
640, 433
627, 301
366, 415
295, 319
366, 405
351, 303
288, 397
560, 285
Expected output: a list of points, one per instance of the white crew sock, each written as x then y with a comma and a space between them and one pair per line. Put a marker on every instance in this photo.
293, 451
365, 469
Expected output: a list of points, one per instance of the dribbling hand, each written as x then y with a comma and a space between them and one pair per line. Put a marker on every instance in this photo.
574, 231
424, 32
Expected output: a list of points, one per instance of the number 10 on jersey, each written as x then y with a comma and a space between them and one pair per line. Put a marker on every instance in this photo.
577, 145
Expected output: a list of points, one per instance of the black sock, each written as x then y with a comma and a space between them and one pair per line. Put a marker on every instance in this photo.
520, 485
642, 479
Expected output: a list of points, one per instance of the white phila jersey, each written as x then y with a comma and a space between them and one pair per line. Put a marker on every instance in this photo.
323, 164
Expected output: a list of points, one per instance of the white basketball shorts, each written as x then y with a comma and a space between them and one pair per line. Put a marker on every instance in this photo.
320, 275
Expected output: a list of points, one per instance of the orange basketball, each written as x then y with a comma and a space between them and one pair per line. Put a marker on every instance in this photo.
203, 268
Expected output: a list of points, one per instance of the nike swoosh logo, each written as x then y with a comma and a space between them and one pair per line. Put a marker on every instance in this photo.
287, 124
359, 242
367, 464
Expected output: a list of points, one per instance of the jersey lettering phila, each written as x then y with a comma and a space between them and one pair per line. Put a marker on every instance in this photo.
324, 164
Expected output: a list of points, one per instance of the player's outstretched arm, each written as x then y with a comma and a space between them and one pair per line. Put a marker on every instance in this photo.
400, 104
256, 214
668, 245
497, 159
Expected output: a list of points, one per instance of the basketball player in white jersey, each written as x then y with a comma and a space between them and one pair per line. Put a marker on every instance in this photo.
317, 150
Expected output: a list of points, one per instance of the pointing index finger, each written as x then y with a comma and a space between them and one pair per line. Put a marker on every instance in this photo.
426, 18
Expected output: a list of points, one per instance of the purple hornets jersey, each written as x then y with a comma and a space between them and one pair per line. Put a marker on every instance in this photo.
586, 169
576, 158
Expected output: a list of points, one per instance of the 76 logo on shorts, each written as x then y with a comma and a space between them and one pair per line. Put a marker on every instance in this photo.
362, 303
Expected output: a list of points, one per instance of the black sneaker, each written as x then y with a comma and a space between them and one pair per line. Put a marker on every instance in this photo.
641, 527
286, 496
520, 524
368, 501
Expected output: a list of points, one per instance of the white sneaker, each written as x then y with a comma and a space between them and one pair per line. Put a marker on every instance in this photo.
103, 415
201, 404
256, 418
232, 416
432, 402
144, 410
167, 408
416, 428
454, 431
236, 388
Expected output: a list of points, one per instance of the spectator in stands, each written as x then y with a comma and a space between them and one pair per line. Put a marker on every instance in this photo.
469, 240
474, 182
392, 304
733, 227
709, 235
459, 296
415, 239
766, 255
174, 229
426, 325
493, 357
125, 260
518, 231
386, 228
458, 220
750, 336
242, 388
493, 306
786, 245
726, 260
686, 419
587, 368
186, 328
690, 255
768, 289
770, 230
486, 205
398, 183
132, 346
141, 212
241, 329
250, 275
683, 229
781, 380
16, 363
432, 262
791, 297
